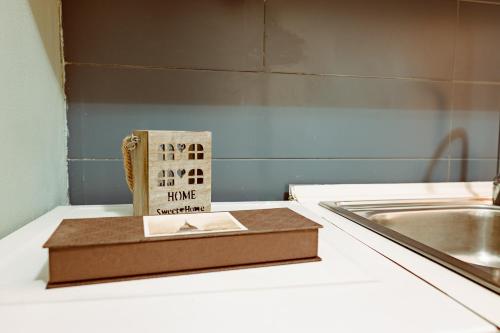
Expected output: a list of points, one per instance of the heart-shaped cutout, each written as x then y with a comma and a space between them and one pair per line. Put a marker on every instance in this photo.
181, 172
181, 147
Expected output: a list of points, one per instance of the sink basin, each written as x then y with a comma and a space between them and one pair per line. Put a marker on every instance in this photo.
463, 235
469, 234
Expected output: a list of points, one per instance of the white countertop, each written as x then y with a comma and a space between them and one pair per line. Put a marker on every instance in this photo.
353, 289
473, 296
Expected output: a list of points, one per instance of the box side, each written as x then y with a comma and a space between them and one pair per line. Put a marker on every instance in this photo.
140, 169
121, 261
191, 271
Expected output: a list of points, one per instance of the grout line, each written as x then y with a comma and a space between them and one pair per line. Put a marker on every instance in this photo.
264, 39
94, 159
65, 97
305, 159
61, 50
163, 68
473, 159
498, 146
485, 2
418, 79
167, 68
491, 83
453, 66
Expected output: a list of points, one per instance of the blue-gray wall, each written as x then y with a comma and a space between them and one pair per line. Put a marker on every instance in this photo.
294, 91
33, 172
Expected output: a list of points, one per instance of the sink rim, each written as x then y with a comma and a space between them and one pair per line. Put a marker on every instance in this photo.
488, 277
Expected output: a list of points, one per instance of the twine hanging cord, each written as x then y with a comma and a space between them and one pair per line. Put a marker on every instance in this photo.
129, 143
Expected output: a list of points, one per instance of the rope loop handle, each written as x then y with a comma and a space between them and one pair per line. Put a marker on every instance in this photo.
129, 143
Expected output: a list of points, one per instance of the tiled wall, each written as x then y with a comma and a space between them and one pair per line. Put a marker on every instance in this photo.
294, 91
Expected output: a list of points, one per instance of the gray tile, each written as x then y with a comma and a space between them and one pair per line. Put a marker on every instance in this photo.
259, 115
475, 121
105, 84
472, 170
216, 34
236, 180
100, 182
361, 37
478, 47
97, 182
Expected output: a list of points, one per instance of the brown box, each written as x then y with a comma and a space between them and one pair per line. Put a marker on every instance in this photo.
94, 250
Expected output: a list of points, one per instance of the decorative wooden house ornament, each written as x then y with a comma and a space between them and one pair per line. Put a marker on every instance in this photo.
169, 172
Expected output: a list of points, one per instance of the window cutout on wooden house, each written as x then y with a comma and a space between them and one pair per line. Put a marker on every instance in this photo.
166, 178
195, 176
196, 152
167, 152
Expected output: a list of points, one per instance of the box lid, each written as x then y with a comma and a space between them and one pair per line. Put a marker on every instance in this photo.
129, 229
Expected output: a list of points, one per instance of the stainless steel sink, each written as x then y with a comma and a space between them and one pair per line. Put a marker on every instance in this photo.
463, 235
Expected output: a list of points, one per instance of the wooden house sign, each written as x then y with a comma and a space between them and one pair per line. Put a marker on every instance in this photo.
169, 172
